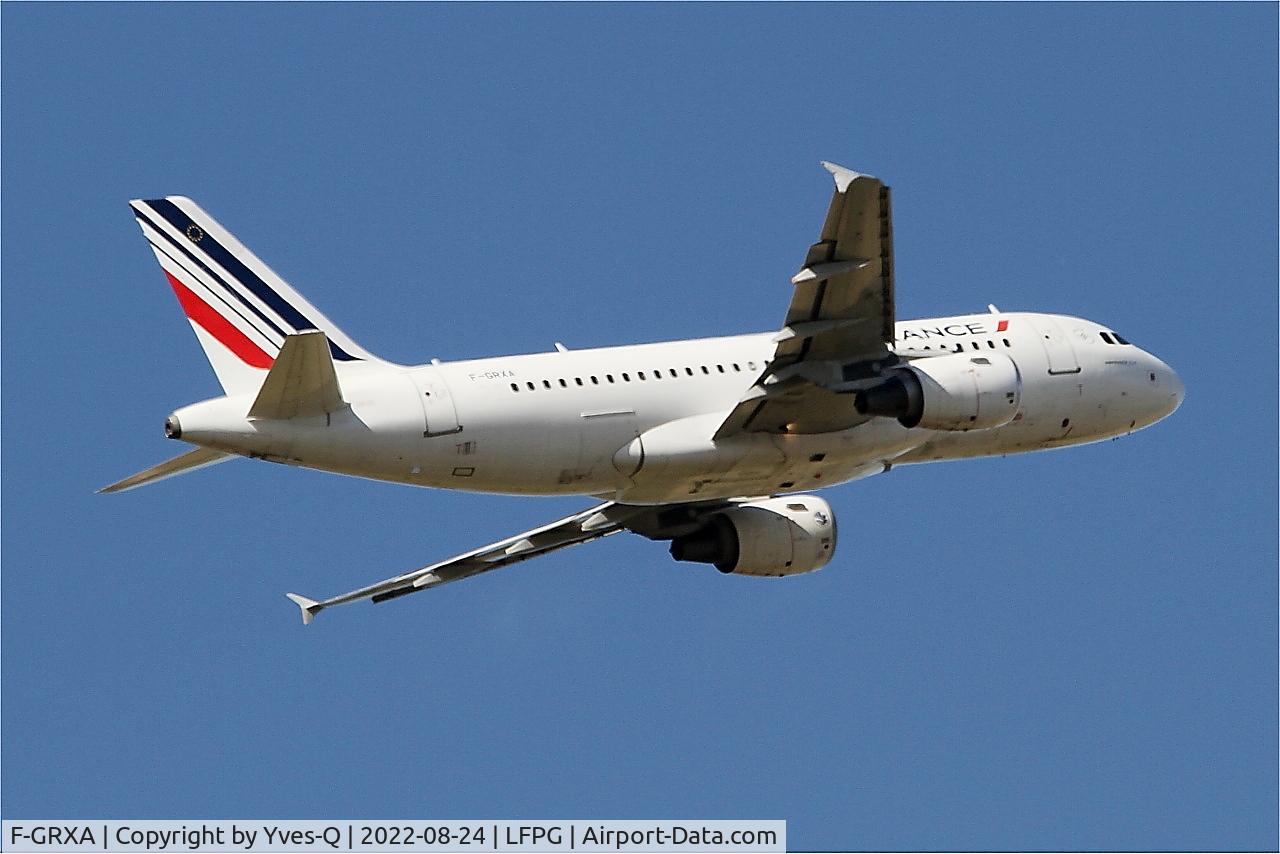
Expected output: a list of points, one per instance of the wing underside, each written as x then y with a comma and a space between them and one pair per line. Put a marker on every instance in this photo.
590, 524
594, 523
839, 323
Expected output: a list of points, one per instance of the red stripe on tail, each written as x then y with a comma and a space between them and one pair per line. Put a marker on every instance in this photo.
218, 326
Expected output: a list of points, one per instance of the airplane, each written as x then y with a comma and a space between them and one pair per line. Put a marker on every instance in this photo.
713, 445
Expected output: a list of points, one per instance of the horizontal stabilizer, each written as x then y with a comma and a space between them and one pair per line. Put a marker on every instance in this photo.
190, 461
302, 382
310, 607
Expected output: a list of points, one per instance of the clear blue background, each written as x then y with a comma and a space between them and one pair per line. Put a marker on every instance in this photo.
1065, 650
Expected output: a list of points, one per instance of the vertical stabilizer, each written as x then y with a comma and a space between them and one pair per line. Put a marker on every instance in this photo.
241, 310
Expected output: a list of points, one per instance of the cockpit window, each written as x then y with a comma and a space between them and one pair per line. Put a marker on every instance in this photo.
1119, 340
1106, 336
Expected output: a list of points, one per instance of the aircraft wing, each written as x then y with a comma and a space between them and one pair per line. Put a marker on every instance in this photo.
591, 524
839, 323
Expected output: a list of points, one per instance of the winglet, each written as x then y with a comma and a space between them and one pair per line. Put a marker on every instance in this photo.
310, 607
844, 177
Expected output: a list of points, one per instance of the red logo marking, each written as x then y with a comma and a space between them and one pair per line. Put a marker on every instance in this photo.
203, 315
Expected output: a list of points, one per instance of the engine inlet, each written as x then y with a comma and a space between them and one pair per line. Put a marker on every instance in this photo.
898, 397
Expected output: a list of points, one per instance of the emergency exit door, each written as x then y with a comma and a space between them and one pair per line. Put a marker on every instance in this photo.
437, 405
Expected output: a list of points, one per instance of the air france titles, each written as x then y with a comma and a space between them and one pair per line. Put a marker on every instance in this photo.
951, 330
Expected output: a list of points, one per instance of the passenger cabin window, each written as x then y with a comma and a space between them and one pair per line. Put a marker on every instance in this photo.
626, 378
595, 381
578, 380
704, 369
609, 377
640, 375
530, 385
515, 387
563, 384
546, 383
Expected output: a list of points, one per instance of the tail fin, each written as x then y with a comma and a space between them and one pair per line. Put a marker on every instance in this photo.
240, 309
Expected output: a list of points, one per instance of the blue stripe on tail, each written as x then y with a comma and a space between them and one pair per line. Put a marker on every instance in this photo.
229, 262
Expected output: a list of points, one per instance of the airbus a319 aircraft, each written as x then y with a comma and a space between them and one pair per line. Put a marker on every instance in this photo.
710, 444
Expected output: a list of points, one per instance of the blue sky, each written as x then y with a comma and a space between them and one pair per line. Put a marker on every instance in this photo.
1075, 649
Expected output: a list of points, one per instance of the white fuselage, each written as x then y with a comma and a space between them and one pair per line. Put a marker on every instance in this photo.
567, 422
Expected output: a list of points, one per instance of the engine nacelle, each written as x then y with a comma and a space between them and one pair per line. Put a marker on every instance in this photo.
786, 535
964, 391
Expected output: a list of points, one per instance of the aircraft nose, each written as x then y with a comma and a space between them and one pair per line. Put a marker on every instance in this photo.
1178, 390
1168, 386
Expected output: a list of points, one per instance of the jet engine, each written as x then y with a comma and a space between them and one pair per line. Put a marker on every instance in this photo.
962, 391
786, 535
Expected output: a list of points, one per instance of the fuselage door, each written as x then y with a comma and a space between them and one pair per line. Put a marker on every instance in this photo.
437, 404
1057, 346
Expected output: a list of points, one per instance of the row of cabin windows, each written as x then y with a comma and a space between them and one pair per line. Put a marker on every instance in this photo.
958, 347
640, 376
